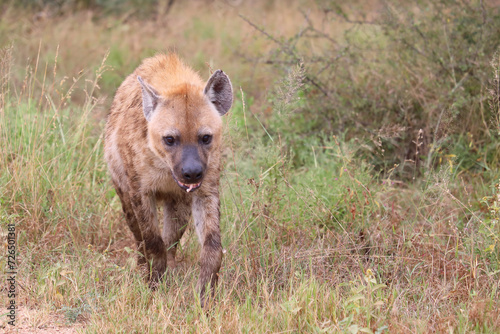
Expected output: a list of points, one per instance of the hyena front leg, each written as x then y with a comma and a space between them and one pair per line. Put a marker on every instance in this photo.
175, 220
132, 222
206, 219
144, 206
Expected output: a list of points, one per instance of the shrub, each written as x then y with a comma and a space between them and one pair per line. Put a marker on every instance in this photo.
405, 84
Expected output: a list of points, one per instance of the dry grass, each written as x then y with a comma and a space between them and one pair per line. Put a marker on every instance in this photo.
328, 247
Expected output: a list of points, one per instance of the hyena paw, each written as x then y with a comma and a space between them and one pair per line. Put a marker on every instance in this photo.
156, 272
156, 255
206, 288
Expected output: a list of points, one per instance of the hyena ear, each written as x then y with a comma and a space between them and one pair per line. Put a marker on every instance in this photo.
220, 92
150, 98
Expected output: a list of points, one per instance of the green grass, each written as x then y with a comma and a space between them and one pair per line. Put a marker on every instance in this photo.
317, 239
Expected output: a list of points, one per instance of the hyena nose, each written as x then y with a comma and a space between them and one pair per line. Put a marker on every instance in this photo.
192, 173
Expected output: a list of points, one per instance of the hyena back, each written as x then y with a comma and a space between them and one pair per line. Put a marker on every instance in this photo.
162, 144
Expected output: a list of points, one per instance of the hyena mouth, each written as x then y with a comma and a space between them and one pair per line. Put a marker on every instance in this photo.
188, 187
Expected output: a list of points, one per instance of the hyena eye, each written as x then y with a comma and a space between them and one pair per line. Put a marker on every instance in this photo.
206, 139
169, 140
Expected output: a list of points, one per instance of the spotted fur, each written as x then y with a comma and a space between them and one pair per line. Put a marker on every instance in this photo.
165, 101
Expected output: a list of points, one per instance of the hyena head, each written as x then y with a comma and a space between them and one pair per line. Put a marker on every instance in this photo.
185, 126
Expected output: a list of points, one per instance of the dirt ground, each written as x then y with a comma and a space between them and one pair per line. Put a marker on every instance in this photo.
40, 322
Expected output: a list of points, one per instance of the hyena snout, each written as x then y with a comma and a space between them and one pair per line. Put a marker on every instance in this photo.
191, 169
192, 172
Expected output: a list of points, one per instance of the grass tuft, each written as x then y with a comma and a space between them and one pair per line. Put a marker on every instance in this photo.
357, 197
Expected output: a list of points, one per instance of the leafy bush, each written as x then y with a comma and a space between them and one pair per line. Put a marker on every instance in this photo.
406, 84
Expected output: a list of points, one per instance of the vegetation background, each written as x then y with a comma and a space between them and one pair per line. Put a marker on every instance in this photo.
360, 189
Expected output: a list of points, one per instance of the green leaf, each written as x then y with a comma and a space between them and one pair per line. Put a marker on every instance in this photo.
354, 298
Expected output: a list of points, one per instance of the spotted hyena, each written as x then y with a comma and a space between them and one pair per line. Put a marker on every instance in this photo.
162, 145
